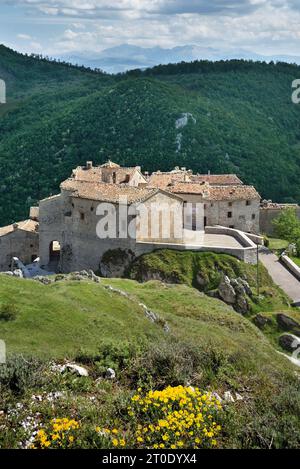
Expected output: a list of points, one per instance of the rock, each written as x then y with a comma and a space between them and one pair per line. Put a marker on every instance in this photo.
84, 273
246, 286
242, 305
238, 397
261, 321
79, 370
228, 397
226, 291
201, 281
289, 342
115, 262
286, 323
59, 278
43, 280
213, 294
10, 274
18, 273
110, 374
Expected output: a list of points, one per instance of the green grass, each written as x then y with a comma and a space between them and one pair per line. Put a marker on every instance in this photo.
296, 260
208, 344
65, 318
185, 267
278, 244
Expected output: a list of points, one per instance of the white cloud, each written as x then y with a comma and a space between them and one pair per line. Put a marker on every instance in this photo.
265, 26
24, 37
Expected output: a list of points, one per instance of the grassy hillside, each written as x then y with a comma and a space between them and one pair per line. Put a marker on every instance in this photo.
206, 344
66, 318
184, 268
59, 116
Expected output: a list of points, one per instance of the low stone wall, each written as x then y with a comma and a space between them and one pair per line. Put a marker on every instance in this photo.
291, 266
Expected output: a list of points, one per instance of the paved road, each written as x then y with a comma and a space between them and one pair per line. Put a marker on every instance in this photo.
280, 275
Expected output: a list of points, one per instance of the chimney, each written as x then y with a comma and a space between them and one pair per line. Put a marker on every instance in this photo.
89, 165
15, 226
208, 173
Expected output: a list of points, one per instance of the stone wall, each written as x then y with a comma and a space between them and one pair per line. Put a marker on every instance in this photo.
18, 243
268, 215
243, 217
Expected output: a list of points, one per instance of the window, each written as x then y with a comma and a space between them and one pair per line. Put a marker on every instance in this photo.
253, 216
114, 177
231, 226
81, 216
229, 214
230, 204
92, 209
248, 203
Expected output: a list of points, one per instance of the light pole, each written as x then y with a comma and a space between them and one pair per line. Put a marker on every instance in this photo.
257, 269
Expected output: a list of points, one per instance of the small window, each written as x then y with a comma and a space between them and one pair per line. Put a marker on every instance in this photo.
230, 204
229, 214
81, 216
253, 216
211, 205
231, 226
248, 203
92, 209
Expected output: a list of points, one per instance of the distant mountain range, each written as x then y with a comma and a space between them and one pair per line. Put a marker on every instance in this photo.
128, 57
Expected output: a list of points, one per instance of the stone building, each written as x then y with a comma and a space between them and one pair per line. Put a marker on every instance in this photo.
226, 200
111, 208
269, 211
19, 240
69, 221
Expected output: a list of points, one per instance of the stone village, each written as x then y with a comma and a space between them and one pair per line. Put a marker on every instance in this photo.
62, 232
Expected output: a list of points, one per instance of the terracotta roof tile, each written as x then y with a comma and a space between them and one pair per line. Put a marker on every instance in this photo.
106, 192
26, 225
217, 179
233, 193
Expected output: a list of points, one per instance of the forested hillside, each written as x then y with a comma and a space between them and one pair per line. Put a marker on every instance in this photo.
240, 118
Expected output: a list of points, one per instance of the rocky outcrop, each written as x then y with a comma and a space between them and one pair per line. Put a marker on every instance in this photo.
261, 321
286, 323
227, 292
114, 263
77, 276
234, 292
289, 342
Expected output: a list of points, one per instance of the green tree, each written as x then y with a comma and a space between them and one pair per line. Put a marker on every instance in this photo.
287, 225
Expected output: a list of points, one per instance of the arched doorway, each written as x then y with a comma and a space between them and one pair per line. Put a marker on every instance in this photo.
54, 251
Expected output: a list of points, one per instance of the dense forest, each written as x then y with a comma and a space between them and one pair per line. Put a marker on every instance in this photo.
239, 118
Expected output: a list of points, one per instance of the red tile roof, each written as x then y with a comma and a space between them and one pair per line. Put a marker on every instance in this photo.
106, 192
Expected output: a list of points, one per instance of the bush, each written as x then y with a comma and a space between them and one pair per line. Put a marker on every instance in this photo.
176, 417
19, 374
8, 312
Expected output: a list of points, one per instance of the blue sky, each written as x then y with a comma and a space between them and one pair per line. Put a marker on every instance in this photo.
55, 27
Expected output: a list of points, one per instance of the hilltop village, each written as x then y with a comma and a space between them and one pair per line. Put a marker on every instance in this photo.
62, 231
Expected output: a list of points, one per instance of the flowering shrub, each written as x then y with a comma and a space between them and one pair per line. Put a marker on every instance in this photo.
61, 434
177, 417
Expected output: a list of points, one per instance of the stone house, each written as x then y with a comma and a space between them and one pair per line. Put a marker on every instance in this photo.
19, 240
226, 200
143, 212
69, 221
